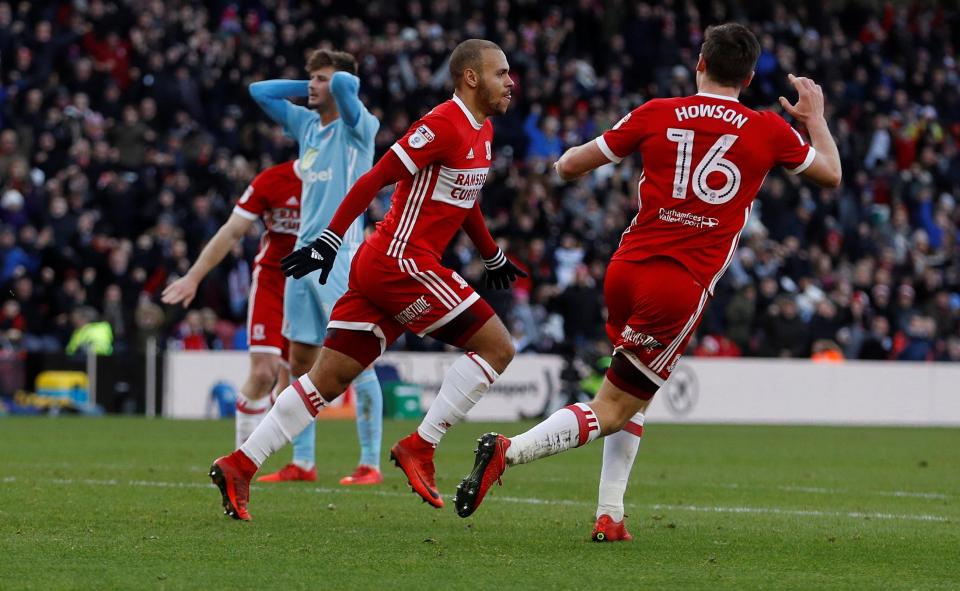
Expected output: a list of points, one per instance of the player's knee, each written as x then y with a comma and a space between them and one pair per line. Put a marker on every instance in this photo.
612, 417
331, 384
498, 354
263, 374
615, 422
298, 367
263, 378
507, 352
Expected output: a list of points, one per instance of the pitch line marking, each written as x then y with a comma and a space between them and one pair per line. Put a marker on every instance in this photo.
788, 488
522, 500
832, 491
729, 485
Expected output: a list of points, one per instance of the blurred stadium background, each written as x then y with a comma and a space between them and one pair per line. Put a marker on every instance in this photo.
127, 133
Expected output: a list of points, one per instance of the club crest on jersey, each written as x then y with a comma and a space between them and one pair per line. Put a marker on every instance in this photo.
257, 332
486, 144
309, 157
421, 137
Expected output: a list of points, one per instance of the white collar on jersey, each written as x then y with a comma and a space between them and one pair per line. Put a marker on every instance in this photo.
719, 96
466, 111
296, 168
321, 127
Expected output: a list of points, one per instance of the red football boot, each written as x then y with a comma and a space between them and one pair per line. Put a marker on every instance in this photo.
608, 530
232, 476
414, 456
363, 475
290, 473
489, 465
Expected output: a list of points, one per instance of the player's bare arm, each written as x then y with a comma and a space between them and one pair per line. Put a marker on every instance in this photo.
808, 110
580, 160
183, 290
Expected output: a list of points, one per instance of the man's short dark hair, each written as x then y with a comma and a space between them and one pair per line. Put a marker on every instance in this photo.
338, 60
730, 52
469, 56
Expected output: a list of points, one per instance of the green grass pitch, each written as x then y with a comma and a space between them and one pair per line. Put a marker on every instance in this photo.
117, 503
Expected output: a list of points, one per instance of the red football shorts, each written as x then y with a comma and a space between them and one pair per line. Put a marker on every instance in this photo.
654, 307
387, 295
265, 312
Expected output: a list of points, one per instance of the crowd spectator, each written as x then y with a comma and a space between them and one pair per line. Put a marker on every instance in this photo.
126, 132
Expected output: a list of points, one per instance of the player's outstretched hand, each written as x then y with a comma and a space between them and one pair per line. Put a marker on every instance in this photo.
318, 255
809, 104
182, 291
499, 271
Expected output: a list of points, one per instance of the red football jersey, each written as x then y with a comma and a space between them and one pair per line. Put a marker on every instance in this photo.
704, 160
448, 152
274, 195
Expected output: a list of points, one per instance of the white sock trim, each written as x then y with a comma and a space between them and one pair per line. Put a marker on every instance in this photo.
308, 393
255, 405
288, 417
464, 384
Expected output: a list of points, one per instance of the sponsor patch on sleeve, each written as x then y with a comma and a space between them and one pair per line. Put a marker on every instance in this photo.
246, 194
421, 137
622, 121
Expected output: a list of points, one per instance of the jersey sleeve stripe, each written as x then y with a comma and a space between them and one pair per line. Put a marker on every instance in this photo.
420, 183
248, 215
811, 154
602, 144
415, 212
405, 158
498, 260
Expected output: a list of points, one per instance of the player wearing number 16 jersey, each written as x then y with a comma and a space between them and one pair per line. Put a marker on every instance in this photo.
704, 159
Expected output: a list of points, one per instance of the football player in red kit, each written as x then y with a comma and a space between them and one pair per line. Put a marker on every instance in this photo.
397, 282
704, 160
274, 196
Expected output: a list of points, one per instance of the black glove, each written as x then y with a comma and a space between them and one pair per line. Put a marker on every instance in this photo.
499, 272
319, 254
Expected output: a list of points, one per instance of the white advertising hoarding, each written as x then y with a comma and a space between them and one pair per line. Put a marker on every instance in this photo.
522, 391
803, 392
762, 391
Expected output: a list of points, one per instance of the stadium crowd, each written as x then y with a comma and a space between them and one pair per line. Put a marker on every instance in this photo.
126, 133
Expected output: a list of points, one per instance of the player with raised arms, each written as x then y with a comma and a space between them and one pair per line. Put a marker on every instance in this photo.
704, 159
335, 133
273, 196
397, 282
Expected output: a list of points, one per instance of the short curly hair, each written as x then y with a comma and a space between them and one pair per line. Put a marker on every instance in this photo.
338, 60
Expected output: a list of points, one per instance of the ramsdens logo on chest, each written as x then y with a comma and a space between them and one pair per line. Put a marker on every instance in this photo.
459, 187
283, 220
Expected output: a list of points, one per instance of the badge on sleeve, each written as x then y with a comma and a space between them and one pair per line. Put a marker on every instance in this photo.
421, 137
622, 121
